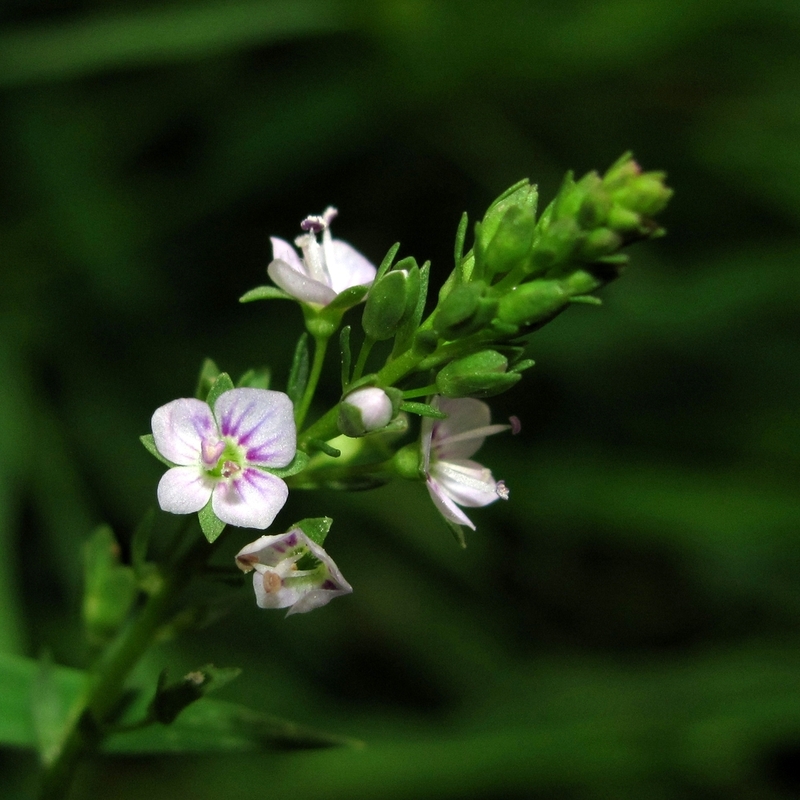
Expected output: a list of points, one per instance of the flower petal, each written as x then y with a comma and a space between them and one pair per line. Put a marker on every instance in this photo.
184, 490
261, 422
179, 428
464, 430
347, 267
298, 284
447, 508
252, 500
465, 482
285, 252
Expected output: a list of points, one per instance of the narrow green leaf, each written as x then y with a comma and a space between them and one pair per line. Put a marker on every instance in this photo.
423, 409
209, 372
298, 374
387, 261
316, 528
297, 464
586, 299
48, 712
458, 252
222, 384
150, 445
259, 378
344, 347
211, 525
264, 293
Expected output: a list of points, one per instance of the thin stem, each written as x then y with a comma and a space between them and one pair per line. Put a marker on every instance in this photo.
320, 346
363, 354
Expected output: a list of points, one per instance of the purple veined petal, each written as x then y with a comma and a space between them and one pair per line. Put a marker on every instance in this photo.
465, 482
465, 429
446, 507
261, 422
317, 597
184, 490
346, 266
179, 428
271, 549
283, 251
299, 285
251, 500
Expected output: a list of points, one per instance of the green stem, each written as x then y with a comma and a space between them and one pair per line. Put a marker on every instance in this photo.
363, 354
320, 346
107, 678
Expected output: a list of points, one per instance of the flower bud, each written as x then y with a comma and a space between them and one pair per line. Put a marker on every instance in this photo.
533, 302
504, 236
391, 299
365, 410
465, 310
478, 375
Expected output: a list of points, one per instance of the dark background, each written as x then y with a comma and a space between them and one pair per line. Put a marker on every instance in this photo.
626, 626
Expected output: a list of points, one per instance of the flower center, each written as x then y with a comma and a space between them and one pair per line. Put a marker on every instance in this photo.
222, 458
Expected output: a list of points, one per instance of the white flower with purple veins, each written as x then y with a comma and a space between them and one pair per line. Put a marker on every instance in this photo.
454, 480
277, 580
221, 456
325, 270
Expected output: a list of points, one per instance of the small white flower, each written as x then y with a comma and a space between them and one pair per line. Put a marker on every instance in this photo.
220, 455
452, 479
325, 270
278, 582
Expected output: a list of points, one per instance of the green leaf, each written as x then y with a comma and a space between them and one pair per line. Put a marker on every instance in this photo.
213, 726
171, 699
110, 588
47, 710
256, 378
298, 374
297, 464
211, 525
387, 260
222, 384
150, 445
264, 293
344, 347
423, 409
316, 528
209, 372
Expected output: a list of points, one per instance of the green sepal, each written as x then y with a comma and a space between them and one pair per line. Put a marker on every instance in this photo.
211, 525
458, 533
209, 372
391, 301
370, 379
298, 374
110, 588
316, 528
297, 464
467, 309
265, 293
150, 445
586, 299
258, 378
387, 261
318, 445
346, 299
222, 384
423, 410
458, 250
481, 374
171, 698
521, 366
410, 326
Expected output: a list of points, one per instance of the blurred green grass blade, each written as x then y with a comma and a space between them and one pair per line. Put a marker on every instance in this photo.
217, 726
19, 677
157, 35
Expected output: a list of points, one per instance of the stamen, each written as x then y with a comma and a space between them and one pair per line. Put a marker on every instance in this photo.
230, 468
272, 582
247, 562
516, 425
211, 450
502, 490
313, 224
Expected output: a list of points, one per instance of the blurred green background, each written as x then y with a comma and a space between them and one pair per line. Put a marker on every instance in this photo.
627, 625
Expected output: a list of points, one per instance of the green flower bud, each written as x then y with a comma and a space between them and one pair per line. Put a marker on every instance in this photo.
465, 310
600, 242
389, 302
478, 375
505, 235
532, 303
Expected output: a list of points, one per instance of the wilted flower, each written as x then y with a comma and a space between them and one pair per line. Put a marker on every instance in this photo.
279, 583
222, 456
454, 480
325, 270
